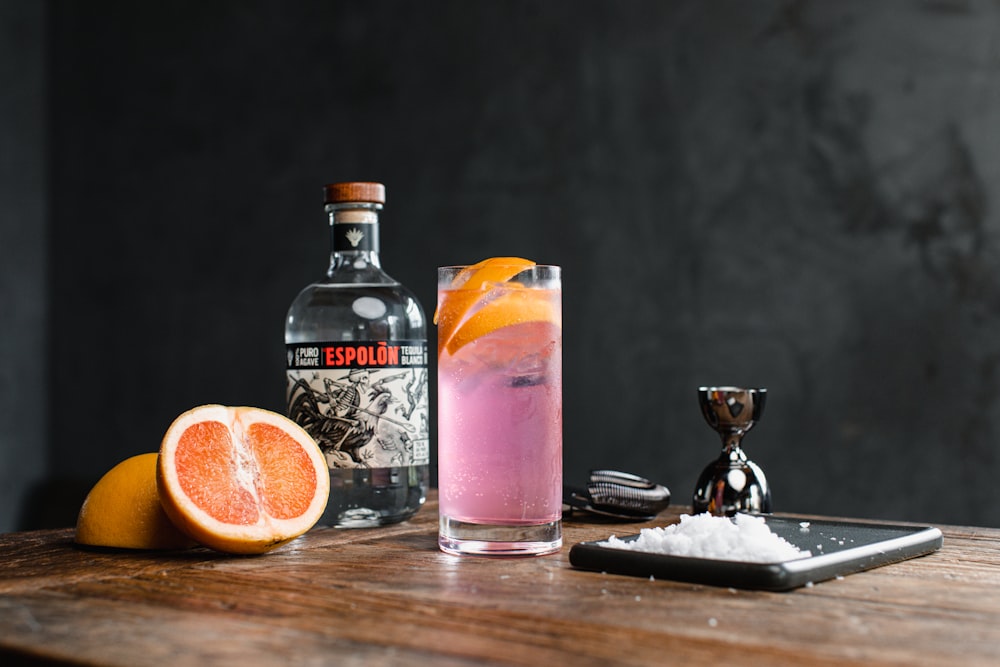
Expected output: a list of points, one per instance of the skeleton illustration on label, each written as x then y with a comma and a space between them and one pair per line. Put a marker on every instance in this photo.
365, 405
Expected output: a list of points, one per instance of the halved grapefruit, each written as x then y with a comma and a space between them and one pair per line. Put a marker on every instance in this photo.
241, 480
123, 510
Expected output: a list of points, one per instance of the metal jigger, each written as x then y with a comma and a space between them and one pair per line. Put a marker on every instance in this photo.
732, 483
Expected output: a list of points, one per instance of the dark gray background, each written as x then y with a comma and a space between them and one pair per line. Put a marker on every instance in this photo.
797, 195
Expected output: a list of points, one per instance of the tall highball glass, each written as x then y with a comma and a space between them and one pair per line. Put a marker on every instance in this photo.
500, 409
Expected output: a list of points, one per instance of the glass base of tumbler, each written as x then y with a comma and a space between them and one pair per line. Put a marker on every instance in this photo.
463, 538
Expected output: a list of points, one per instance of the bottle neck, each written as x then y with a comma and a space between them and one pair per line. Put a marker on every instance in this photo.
354, 234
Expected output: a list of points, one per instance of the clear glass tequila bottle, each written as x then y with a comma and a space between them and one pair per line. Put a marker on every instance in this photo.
357, 371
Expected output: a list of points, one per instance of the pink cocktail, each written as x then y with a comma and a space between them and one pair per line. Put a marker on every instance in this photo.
500, 408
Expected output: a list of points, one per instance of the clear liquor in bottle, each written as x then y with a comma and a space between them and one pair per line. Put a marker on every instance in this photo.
357, 371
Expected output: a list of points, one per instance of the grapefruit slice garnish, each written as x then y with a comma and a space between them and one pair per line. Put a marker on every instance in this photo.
491, 270
512, 307
467, 291
241, 480
123, 510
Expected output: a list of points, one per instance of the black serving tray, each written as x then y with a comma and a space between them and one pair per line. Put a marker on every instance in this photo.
838, 548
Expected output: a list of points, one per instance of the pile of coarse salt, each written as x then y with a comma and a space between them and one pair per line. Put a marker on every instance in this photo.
743, 538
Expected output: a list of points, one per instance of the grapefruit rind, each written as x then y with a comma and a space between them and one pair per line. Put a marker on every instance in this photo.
123, 510
468, 288
197, 495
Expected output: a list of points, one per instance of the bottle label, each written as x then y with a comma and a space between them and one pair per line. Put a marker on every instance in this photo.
364, 403
355, 235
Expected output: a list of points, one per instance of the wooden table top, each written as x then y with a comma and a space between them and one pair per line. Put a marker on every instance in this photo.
389, 596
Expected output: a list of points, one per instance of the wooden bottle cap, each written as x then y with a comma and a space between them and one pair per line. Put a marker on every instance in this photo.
354, 191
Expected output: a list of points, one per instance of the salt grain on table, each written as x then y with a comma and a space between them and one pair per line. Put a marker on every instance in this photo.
743, 538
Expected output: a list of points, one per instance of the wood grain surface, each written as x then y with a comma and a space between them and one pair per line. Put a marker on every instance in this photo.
389, 597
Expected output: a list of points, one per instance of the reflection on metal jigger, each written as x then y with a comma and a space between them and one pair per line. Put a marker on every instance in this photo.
732, 483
